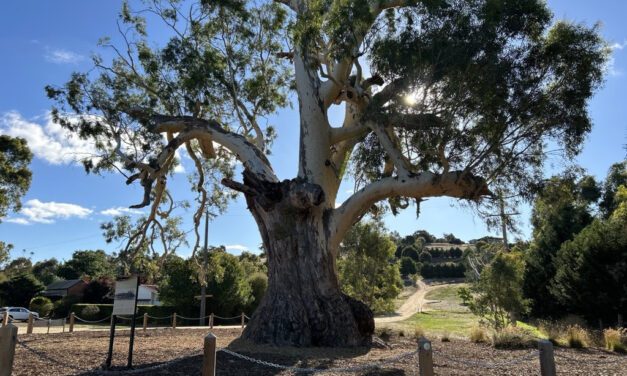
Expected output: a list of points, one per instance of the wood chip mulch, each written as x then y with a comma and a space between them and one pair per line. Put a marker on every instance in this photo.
83, 353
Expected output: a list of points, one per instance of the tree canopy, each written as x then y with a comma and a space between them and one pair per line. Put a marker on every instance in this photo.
440, 98
15, 177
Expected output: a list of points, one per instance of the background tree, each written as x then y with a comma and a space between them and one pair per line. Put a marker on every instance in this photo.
408, 267
19, 290
46, 271
497, 296
99, 291
458, 94
89, 263
616, 177
15, 177
19, 265
560, 211
365, 268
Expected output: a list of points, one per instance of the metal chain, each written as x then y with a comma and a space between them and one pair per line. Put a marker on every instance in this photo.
319, 370
191, 318
519, 359
227, 318
159, 318
50, 359
151, 368
608, 361
92, 322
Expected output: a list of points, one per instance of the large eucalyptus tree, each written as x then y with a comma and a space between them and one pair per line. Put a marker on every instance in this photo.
440, 98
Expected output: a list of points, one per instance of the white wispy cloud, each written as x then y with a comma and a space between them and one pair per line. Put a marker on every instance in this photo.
237, 247
19, 221
618, 45
120, 210
35, 211
61, 56
48, 141
611, 69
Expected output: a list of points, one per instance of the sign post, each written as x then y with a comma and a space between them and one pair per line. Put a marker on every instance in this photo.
124, 303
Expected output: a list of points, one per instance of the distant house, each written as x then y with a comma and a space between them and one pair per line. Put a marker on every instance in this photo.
61, 289
148, 294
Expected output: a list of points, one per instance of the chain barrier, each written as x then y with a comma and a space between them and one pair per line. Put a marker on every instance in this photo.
520, 359
92, 322
47, 357
150, 368
159, 318
608, 361
320, 370
191, 318
227, 318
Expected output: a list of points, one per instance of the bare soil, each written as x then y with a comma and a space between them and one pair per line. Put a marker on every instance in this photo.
83, 353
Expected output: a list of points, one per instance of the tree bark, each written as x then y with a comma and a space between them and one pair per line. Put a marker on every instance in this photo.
303, 305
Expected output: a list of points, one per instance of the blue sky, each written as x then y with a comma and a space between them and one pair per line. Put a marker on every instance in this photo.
42, 42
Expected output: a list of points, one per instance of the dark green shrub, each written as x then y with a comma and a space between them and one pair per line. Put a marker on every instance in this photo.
42, 305
90, 312
408, 266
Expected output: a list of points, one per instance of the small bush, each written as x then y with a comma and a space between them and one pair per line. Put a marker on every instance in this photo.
446, 337
90, 312
615, 339
42, 305
512, 337
553, 330
478, 334
419, 332
577, 337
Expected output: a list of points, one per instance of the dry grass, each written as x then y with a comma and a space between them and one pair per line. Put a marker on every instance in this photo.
419, 332
446, 337
513, 337
577, 337
615, 339
478, 334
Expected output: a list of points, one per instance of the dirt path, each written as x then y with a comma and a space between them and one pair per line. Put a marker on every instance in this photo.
415, 303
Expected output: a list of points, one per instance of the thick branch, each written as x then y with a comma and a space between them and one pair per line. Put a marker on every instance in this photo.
427, 184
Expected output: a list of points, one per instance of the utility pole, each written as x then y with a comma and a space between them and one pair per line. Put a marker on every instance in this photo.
203, 284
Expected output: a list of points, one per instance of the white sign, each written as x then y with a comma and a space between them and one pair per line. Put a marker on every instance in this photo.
125, 296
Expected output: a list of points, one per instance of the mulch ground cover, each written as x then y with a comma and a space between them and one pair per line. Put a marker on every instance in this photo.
177, 352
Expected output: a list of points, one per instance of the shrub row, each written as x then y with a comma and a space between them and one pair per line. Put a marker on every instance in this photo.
445, 270
451, 253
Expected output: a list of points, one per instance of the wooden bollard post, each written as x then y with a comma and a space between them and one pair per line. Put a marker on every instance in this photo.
425, 357
211, 321
29, 328
243, 322
547, 358
8, 339
145, 321
174, 320
209, 357
5, 318
72, 318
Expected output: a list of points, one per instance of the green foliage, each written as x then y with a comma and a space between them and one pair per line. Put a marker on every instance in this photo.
364, 267
226, 282
15, 177
443, 270
560, 211
90, 312
46, 271
105, 310
258, 285
20, 265
497, 296
425, 257
591, 271
99, 291
62, 307
41, 305
408, 267
87, 263
616, 177
512, 337
19, 289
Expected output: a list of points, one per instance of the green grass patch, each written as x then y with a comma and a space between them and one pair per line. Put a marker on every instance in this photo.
438, 322
446, 292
